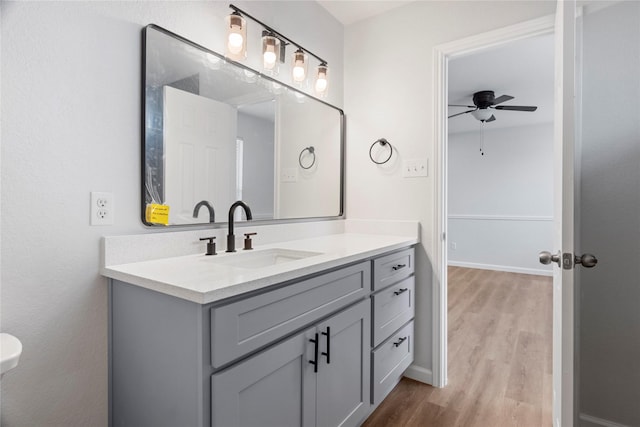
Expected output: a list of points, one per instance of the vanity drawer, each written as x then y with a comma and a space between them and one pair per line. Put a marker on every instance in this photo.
389, 361
392, 308
249, 324
391, 268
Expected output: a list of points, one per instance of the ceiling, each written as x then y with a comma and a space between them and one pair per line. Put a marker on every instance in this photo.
523, 69
350, 11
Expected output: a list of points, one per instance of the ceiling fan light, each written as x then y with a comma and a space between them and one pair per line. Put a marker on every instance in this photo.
482, 114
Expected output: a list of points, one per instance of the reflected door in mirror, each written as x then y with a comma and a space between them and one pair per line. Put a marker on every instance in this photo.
200, 155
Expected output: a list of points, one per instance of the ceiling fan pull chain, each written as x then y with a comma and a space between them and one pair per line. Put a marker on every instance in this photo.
482, 138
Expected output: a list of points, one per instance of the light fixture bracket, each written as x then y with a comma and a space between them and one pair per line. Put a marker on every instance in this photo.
283, 39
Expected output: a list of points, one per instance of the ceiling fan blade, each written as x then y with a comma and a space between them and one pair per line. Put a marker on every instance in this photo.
458, 105
516, 108
490, 119
501, 99
459, 114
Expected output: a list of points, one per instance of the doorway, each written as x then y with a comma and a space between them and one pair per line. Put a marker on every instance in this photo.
499, 176
500, 213
598, 46
443, 55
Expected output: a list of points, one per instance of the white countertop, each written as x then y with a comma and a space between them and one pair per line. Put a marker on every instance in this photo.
201, 279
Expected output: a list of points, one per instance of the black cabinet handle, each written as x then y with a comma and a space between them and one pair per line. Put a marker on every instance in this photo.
400, 291
328, 352
315, 354
398, 267
400, 341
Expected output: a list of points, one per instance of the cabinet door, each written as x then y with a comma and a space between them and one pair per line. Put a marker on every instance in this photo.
275, 388
343, 378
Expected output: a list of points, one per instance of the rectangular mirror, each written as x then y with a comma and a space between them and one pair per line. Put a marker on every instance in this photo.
216, 131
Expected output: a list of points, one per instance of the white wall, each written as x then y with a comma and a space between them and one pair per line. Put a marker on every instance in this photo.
389, 93
70, 83
257, 135
501, 203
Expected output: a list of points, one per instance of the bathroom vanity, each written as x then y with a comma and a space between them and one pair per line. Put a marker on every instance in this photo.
314, 332
308, 332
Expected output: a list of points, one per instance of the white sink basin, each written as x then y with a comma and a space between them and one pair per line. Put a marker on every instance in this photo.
261, 258
10, 351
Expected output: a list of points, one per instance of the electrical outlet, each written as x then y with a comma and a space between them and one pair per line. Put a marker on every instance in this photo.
414, 168
102, 208
453, 246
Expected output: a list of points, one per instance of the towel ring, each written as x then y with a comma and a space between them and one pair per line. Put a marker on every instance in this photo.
382, 142
312, 152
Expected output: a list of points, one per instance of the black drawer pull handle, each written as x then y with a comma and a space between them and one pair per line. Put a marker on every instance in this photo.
400, 341
315, 354
328, 352
398, 267
400, 291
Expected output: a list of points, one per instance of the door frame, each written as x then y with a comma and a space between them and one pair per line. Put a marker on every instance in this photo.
441, 56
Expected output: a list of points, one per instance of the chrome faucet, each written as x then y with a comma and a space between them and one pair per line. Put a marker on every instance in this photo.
212, 213
231, 238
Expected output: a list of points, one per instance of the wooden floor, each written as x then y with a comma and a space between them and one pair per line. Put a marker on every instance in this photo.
499, 358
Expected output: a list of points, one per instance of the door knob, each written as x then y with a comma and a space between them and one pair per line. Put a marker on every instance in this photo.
547, 258
586, 260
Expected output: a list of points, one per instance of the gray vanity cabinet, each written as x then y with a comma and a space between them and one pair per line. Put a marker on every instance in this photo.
246, 361
343, 381
393, 310
276, 388
279, 387
243, 326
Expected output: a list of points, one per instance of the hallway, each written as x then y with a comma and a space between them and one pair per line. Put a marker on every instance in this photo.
500, 334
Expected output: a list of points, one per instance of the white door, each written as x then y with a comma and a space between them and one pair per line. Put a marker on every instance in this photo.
199, 160
597, 310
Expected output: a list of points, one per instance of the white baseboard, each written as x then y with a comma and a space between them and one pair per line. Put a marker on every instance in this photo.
501, 217
507, 268
419, 373
595, 421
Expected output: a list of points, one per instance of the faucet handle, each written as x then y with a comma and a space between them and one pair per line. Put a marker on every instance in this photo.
211, 245
247, 240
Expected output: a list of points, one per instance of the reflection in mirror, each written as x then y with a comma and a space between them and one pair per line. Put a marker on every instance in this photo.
216, 132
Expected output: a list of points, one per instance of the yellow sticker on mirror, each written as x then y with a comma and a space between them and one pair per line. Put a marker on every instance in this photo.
157, 214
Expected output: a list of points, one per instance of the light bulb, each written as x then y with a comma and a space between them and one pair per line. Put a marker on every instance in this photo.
299, 70
213, 62
321, 85
250, 76
269, 59
270, 52
236, 36
276, 88
235, 41
321, 80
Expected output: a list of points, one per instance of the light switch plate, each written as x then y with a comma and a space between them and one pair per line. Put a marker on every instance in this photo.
289, 175
415, 168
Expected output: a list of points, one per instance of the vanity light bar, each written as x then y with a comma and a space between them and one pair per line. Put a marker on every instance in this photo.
284, 40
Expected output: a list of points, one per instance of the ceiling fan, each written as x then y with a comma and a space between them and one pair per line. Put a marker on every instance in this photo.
485, 101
